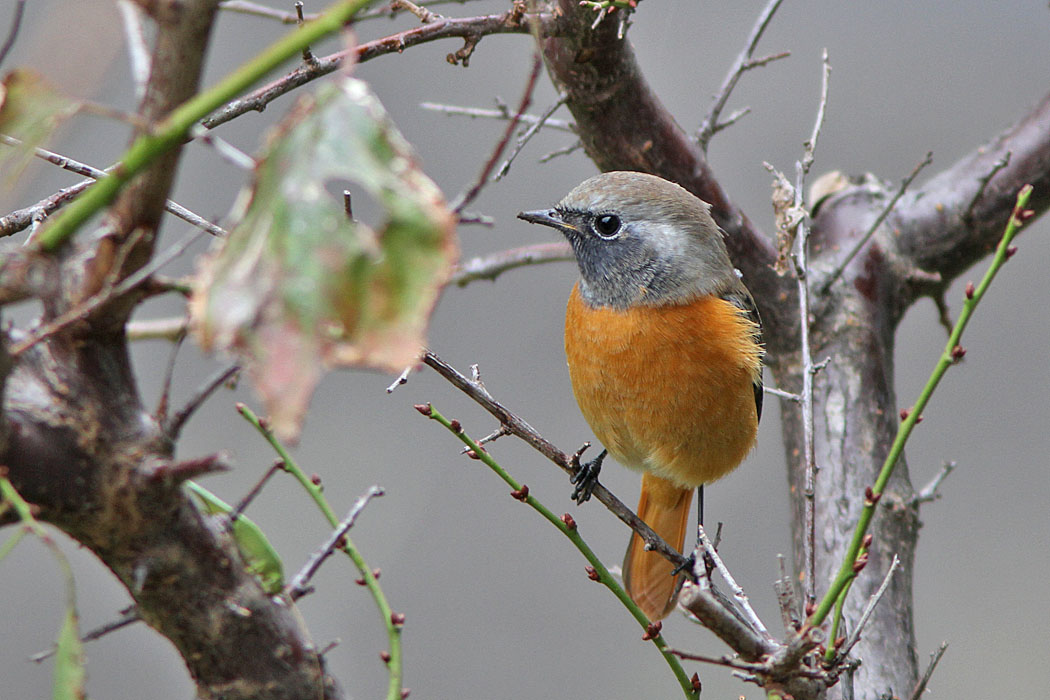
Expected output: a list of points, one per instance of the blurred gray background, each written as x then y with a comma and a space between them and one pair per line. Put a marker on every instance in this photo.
497, 603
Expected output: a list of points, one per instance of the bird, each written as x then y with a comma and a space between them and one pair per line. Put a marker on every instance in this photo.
664, 347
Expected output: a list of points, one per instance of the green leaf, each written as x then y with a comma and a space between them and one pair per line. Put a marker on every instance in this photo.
299, 285
260, 558
69, 673
30, 110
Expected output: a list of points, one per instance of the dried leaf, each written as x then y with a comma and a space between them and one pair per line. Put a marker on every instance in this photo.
299, 284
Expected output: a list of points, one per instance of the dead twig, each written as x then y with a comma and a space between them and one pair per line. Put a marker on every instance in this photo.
299, 585
489, 267
744, 62
472, 192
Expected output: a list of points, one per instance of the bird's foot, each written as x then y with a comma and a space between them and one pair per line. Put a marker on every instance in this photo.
586, 476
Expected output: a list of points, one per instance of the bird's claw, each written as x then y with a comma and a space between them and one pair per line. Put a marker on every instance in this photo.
586, 478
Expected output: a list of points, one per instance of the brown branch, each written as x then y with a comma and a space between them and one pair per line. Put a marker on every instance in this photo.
474, 190
489, 267
956, 218
511, 22
476, 391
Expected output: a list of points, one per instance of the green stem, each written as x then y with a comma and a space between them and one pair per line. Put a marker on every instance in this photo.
570, 531
393, 628
174, 129
947, 359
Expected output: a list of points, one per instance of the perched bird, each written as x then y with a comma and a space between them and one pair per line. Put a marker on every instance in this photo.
664, 348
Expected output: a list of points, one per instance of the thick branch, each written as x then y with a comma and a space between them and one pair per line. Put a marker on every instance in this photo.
944, 229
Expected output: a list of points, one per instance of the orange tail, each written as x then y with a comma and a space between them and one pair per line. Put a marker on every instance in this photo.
647, 575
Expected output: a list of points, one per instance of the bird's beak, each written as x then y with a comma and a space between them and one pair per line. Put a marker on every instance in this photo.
547, 217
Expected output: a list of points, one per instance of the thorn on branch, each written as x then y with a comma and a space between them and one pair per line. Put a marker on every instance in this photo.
462, 55
930, 491
996, 167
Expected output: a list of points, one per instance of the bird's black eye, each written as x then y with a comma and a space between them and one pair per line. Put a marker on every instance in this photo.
607, 225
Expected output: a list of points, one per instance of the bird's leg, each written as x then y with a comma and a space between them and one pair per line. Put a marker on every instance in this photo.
586, 477
690, 560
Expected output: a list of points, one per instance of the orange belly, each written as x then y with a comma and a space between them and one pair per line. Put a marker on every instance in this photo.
667, 389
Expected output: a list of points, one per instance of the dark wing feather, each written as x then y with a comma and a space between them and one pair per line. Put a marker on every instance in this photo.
742, 299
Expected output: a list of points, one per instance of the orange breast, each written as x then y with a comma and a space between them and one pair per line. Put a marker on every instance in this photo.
667, 389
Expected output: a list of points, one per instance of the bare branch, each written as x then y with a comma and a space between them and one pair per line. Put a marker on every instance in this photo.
930, 491
510, 22
800, 256
474, 190
868, 609
527, 136
157, 329
950, 227
501, 114
12, 33
745, 605
138, 50
173, 426
837, 272
16, 221
299, 585
489, 267
935, 658
251, 8
711, 126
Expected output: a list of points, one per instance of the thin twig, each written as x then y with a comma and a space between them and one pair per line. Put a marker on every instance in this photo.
472, 192
157, 329
126, 618
173, 426
500, 114
527, 136
781, 393
935, 658
308, 55
854, 636
79, 168
401, 379
12, 33
253, 492
996, 167
139, 54
251, 8
563, 151
801, 265
930, 492
299, 584
875, 225
738, 592
489, 267
425, 16
21, 219
711, 126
